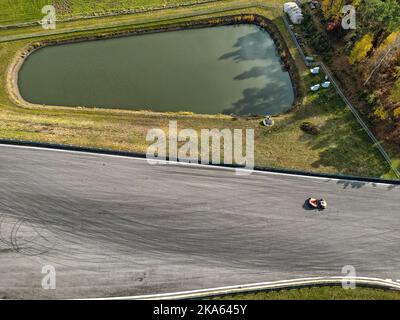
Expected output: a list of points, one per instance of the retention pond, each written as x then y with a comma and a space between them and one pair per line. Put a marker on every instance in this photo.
225, 69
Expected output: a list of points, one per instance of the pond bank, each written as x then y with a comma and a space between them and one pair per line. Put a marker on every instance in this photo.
265, 24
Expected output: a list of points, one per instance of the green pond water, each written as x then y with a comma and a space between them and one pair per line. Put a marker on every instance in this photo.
226, 69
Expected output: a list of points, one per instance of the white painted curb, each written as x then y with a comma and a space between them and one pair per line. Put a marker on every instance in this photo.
273, 285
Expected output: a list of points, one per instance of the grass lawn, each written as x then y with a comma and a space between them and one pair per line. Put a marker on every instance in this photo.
319, 293
79, 7
341, 147
15, 11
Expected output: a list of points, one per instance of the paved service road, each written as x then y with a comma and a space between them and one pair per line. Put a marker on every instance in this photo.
114, 226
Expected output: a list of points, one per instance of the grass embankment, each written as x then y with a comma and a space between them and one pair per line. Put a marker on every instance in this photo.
341, 147
157, 16
319, 293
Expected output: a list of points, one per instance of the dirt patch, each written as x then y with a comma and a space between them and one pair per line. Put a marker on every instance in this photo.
310, 128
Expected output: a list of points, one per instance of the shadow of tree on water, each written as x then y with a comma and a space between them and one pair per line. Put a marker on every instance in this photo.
260, 101
273, 96
252, 46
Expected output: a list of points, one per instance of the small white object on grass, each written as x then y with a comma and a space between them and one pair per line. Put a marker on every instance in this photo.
315, 70
326, 84
315, 87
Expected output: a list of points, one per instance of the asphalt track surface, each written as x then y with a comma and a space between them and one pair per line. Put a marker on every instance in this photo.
115, 226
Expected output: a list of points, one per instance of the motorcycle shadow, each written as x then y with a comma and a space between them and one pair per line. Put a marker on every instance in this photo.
306, 206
